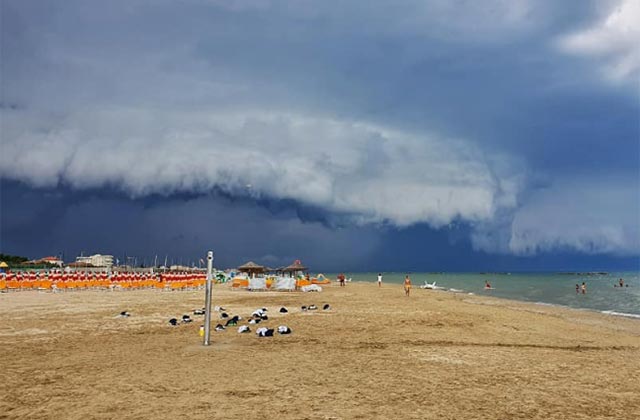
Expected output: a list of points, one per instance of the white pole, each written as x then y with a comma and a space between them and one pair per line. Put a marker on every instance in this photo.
207, 304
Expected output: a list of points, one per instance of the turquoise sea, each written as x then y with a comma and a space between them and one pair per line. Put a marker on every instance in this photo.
543, 288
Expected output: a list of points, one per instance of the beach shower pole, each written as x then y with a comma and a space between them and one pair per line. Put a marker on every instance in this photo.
207, 304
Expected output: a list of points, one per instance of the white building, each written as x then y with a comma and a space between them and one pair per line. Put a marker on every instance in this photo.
97, 260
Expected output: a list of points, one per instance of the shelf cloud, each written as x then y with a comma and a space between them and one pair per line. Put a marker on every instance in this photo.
370, 173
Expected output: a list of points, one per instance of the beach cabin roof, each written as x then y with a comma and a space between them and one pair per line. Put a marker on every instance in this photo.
3, 264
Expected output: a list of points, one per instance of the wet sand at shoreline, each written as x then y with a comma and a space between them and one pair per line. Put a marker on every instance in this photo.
375, 354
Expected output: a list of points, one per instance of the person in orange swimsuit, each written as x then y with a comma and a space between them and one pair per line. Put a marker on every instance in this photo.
407, 285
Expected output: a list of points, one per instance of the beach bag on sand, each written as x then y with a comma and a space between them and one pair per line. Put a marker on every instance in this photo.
264, 332
283, 329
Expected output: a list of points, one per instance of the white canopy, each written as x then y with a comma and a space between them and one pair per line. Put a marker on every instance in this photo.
285, 283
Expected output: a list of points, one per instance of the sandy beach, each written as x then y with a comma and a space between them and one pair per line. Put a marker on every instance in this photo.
375, 354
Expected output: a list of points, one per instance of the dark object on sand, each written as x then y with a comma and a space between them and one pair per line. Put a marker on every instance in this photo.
283, 310
198, 311
233, 321
312, 307
173, 321
186, 319
283, 329
125, 314
224, 315
265, 332
220, 327
326, 307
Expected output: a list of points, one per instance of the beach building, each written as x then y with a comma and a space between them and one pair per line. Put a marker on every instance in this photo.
80, 264
49, 260
96, 260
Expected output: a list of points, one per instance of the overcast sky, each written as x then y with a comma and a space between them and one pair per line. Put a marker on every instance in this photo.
360, 135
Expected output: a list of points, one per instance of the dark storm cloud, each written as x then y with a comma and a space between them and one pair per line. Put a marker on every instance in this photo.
64, 221
361, 115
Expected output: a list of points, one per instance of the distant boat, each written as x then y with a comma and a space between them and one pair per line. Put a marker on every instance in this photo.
431, 286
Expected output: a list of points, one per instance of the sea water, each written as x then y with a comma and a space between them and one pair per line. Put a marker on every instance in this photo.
543, 288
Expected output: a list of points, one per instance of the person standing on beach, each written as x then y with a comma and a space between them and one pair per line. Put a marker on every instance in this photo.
379, 279
577, 288
407, 285
341, 279
584, 288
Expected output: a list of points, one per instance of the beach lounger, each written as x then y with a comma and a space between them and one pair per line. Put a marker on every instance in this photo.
45, 285
236, 283
176, 285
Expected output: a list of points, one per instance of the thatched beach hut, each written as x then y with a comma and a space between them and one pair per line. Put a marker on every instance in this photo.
295, 268
251, 268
